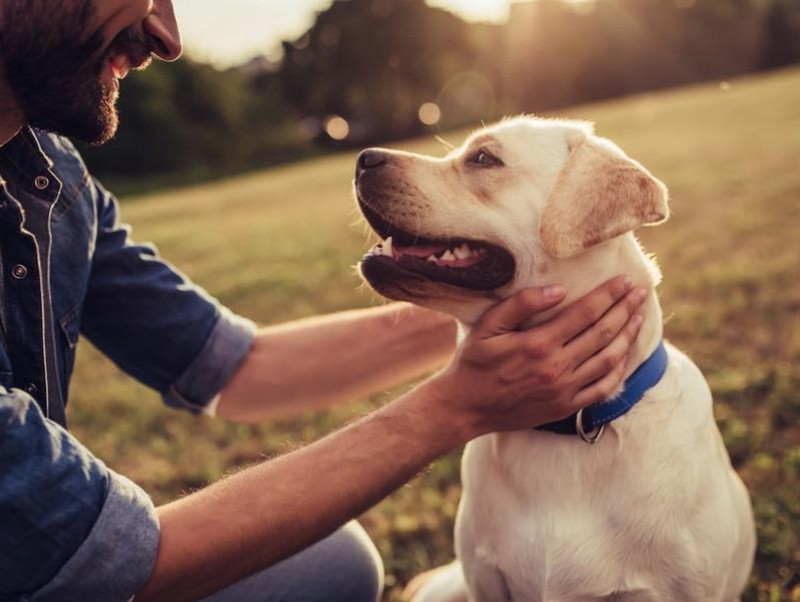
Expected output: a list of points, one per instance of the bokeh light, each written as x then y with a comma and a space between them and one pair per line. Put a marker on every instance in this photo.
337, 127
430, 113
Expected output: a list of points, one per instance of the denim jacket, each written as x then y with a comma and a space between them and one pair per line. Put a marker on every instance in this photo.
70, 528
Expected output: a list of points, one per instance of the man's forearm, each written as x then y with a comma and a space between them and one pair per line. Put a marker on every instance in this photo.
315, 363
258, 517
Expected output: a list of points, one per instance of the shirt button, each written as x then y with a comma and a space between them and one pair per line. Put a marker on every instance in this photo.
19, 271
30, 389
41, 182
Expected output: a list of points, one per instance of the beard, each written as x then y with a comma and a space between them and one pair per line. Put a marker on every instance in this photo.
55, 73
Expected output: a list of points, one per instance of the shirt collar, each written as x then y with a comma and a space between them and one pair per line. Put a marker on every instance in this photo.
23, 157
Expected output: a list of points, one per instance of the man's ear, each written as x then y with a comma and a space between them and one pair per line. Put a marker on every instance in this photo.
599, 194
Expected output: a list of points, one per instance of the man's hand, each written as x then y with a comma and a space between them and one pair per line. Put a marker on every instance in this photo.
506, 379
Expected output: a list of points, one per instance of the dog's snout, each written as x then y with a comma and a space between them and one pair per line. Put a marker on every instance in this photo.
371, 158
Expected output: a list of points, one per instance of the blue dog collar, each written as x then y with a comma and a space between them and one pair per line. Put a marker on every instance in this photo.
590, 422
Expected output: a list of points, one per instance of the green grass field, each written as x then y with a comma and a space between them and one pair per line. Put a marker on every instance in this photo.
281, 244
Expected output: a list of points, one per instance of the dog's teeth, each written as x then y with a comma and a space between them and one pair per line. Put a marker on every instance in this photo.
448, 256
387, 247
461, 252
431, 259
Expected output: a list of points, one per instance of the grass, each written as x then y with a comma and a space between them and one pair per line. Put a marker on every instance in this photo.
280, 244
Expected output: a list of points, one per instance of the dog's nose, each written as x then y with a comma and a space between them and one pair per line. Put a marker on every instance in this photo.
371, 158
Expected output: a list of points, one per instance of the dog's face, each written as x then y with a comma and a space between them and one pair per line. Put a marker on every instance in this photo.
510, 209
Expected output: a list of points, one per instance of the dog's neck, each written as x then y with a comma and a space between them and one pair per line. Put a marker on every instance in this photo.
622, 255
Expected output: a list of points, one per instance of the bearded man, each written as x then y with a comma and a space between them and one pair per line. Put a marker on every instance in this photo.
73, 530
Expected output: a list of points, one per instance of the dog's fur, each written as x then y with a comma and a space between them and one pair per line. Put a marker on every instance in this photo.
654, 510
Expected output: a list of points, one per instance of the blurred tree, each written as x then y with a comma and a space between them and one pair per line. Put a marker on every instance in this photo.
782, 35
190, 118
374, 63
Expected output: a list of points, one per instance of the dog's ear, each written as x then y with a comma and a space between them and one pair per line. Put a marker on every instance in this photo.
599, 194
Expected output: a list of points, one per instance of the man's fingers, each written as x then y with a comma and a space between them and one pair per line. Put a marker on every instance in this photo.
508, 315
605, 362
619, 319
601, 389
586, 311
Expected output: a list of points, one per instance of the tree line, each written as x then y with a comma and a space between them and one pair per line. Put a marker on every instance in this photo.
376, 70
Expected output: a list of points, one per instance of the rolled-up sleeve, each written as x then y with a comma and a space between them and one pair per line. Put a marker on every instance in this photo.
212, 368
70, 529
154, 323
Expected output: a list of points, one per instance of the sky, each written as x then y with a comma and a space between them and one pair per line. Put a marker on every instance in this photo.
228, 32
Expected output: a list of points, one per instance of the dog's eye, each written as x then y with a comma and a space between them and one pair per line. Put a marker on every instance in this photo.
484, 158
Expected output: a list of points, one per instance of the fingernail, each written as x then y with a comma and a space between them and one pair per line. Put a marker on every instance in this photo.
554, 291
641, 294
624, 284
638, 320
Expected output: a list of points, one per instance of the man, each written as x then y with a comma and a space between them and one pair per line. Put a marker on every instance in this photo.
72, 530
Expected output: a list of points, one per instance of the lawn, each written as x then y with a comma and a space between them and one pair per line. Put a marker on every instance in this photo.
282, 243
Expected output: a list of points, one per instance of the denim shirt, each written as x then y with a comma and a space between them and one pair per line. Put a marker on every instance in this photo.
70, 528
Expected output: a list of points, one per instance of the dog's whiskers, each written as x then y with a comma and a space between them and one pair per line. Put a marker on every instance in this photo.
448, 145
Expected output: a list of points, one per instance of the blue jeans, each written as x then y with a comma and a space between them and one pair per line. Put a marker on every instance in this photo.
345, 567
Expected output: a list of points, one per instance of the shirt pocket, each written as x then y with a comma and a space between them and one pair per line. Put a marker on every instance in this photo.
70, 324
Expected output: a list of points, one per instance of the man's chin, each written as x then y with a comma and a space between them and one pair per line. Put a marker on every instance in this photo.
101, 132
93, 127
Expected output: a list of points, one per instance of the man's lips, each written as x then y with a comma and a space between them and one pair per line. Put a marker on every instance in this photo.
120, 65
128, 52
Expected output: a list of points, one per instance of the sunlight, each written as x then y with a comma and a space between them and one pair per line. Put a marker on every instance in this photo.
233, 33
476, 10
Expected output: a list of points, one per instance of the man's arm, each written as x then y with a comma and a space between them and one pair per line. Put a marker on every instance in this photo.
318, 362
152, 321
501, 379
171, 335
71, 530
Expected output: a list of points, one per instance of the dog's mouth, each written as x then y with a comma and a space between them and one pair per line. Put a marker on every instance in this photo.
462, 262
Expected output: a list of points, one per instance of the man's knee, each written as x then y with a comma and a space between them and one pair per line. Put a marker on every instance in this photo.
361, 562
344, 567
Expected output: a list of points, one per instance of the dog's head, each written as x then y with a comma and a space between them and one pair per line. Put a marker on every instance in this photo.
518, 205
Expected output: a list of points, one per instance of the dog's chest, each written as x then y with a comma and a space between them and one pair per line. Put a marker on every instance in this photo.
553, 514
566, 530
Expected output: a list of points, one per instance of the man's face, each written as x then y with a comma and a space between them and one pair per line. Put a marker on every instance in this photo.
62, 61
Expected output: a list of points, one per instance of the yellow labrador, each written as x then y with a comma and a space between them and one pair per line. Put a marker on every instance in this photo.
651, 511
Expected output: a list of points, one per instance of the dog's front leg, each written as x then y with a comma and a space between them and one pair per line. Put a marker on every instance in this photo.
485, 581
488, 584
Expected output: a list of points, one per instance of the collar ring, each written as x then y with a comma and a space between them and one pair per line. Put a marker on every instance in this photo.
591, 437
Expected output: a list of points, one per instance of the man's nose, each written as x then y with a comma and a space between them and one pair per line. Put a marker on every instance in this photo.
370, 159
162, 27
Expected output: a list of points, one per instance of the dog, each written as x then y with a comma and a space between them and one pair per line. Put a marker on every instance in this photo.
652, 510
